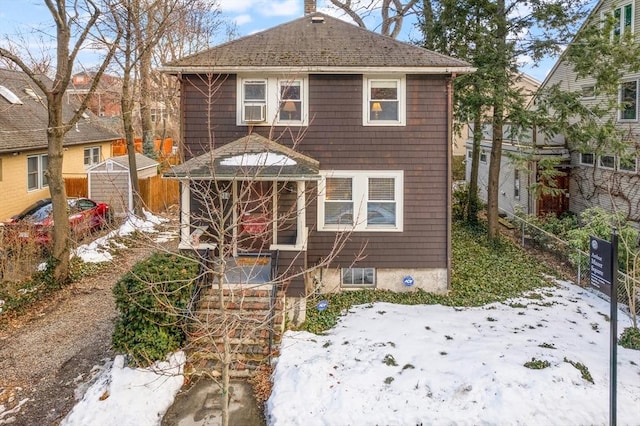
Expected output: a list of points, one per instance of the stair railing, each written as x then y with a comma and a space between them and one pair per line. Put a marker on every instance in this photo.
272, 299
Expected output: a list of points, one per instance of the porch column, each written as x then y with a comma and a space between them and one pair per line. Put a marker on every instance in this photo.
185, 212
301, 207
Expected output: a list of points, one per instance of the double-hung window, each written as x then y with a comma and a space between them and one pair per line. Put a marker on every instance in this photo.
384, 102
91, 156
290, 101
361, 201
629, 100
622, 21
272, 101
36, 168
254, 101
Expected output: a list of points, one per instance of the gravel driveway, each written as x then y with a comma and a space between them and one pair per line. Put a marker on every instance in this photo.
48, 352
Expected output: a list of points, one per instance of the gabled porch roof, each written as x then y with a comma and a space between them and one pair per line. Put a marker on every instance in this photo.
251, 156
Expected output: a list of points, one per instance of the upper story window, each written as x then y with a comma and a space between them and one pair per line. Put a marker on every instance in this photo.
628, 100
361, 201
622, 20
272, 101
91, 156
36, 167
384, 102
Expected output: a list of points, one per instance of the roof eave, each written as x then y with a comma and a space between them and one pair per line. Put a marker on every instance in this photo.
279, 178
174, 70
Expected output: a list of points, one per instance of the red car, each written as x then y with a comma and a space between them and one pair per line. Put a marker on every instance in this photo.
36, 221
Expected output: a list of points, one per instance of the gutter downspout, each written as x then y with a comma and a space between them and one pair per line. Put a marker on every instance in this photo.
449, 173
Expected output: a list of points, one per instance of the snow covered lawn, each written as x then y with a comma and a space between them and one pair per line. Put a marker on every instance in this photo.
386, 364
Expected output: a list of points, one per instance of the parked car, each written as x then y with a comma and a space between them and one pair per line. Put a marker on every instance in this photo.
36, 221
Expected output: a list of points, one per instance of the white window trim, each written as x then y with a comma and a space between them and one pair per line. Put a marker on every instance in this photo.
402, 101
41, 170
272, 110
582, 163
602, 166
628, 120
360, 197
345, 285
635, 169
483, 155
91, 151
588, 97
603, 17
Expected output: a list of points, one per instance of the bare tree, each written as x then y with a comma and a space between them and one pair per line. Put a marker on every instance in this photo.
392, 13
74, 24
150, 26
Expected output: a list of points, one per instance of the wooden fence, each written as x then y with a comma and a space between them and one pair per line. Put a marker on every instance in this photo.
157, 193
76, 187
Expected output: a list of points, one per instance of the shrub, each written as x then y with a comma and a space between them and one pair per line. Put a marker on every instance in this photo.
630, 338
598, 222
152, 300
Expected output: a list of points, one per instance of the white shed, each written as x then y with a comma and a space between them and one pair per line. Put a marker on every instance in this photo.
109, 181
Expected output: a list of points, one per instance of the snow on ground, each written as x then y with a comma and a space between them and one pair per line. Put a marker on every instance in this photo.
129, 396
386, 364
99, 250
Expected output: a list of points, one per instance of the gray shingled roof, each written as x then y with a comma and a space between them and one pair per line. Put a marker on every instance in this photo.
303, 44
253, 156
23, 127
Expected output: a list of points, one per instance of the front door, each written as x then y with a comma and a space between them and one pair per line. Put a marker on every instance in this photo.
558, 203
254, 216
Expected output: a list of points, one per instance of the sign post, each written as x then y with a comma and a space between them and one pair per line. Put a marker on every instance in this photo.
603, 268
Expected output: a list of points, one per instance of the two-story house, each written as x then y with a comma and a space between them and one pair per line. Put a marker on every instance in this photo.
23, 143
350, 129
606, 179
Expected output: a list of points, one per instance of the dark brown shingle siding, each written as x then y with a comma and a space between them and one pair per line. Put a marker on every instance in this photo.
337, 139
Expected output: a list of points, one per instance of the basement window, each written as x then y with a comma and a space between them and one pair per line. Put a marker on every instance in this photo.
358, 277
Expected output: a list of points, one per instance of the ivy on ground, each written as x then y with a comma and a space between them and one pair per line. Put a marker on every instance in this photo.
482, 272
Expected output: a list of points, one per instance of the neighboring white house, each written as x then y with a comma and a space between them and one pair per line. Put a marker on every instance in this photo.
520, 165
605, 179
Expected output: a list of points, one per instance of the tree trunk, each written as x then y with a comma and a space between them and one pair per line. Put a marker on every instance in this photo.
145, 95
61, 229
127, 122
501, 86
494, 173
473, 202
127, 109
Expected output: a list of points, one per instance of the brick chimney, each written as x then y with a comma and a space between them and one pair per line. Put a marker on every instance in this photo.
309, 7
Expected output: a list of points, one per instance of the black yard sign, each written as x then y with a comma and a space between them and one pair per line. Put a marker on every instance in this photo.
600, 267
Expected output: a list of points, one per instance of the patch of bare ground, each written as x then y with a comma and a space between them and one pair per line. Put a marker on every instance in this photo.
47, 352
